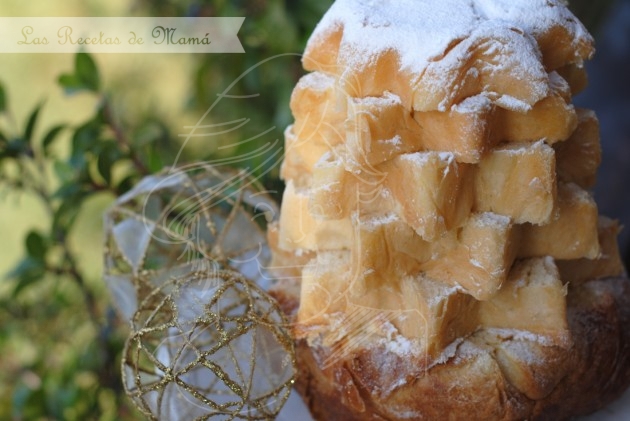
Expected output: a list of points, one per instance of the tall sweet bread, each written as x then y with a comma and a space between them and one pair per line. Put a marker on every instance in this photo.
438, 248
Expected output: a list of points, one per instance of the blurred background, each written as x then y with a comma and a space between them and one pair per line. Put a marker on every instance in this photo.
608, 94
76, 131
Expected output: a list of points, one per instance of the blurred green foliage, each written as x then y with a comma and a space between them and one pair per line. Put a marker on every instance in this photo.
273, 35
59, 337
60, 340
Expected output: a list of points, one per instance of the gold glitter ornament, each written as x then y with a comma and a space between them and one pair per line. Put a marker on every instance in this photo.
193, 218
209, 345
185, 261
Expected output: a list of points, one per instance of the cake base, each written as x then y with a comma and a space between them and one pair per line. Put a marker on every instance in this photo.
488, 376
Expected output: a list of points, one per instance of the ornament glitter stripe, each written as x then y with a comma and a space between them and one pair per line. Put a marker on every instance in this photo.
185, 259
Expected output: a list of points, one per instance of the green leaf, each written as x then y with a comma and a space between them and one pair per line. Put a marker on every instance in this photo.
36, 246
107, 157
104, 164
100, 116
71, 84
64, 171
67, 190
84, 78
51, 136
84, 139
15, 148
27, 272
3, 99
86, 71
30, 125
125, 184
155, 163
67, 213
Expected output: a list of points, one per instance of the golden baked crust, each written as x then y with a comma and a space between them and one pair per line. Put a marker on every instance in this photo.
489, 375
438, 246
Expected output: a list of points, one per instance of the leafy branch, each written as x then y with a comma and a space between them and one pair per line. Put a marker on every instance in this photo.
101, 159
64, 166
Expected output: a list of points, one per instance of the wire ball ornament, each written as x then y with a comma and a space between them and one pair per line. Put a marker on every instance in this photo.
194, 218
185, 261
209, 345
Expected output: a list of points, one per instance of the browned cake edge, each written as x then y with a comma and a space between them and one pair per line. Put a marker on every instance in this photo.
488, 376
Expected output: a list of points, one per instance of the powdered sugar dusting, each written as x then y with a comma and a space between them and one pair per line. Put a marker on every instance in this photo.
316, 81
510, 103
522, 335
448, 352
534, 17
400, 346
490, 219
388, 99
558, 84
379, 220
418, 56
423, 158
474, 104
371, 27
441, 44
396, 343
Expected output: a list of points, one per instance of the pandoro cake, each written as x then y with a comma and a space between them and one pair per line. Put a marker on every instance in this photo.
438, 250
